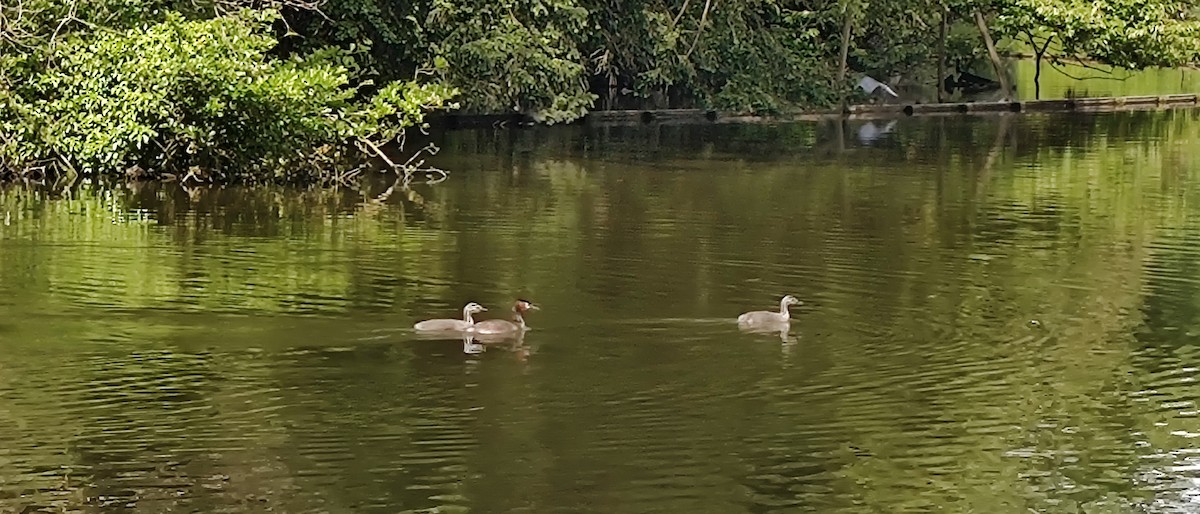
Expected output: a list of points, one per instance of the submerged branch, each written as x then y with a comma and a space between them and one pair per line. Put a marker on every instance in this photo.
415, 163
377, 152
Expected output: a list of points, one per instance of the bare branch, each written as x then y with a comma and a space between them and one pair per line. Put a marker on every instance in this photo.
700, 29
1054, 63
682, 10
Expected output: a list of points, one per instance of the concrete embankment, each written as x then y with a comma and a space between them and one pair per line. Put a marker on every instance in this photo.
864, 111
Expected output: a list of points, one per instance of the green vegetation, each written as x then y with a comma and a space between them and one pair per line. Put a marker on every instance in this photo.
173, 94
297, 90
1131, 34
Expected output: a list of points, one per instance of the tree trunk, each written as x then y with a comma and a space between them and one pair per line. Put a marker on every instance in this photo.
839, 133
1038, 53
941, 63
1037, 77
995, 57
844, 56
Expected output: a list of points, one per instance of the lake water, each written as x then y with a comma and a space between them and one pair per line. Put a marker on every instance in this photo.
1067, 80
1001, 315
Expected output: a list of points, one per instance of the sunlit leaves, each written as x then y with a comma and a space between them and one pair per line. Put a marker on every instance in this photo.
182, 93
1126, 33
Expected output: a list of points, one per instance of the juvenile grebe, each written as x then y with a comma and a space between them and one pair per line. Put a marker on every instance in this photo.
452, 324
759, 318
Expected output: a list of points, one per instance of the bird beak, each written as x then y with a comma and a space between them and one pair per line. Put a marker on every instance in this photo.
533, 307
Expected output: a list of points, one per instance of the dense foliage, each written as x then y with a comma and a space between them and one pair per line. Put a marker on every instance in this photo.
281, 88
551, 58
203, 96
1126, 33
